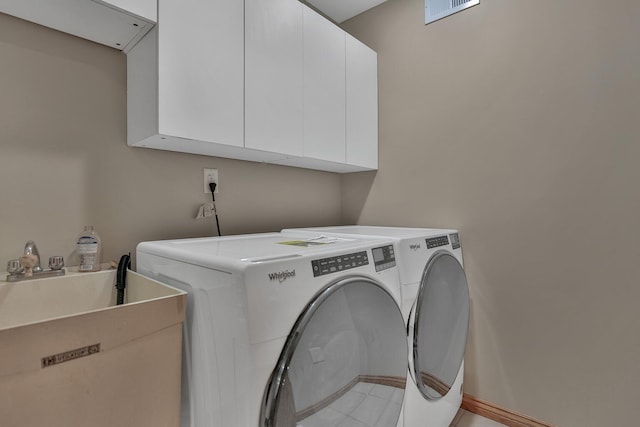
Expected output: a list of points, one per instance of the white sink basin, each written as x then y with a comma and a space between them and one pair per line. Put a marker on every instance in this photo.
70, 357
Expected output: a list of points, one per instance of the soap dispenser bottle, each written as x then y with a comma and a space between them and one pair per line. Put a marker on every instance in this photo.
89, 248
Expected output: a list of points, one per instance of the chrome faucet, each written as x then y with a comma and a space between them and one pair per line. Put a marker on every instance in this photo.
18, 272
31, 249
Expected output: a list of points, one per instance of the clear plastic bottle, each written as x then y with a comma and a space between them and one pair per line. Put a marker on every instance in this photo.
89, 248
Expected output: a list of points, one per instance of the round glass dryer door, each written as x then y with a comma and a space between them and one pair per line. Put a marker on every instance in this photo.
344, 360
438, 325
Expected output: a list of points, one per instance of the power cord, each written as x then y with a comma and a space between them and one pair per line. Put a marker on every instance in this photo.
212, 187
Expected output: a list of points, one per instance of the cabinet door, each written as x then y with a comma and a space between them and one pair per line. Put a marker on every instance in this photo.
273, 76
362, 105
324, 88
200, 70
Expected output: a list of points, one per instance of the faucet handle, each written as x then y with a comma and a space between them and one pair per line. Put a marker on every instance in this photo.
56, 262
14, 267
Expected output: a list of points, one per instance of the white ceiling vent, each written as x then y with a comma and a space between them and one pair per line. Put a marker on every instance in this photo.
438, 9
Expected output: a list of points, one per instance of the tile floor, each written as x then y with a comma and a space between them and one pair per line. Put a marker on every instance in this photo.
468, 419
365, 405
373, 405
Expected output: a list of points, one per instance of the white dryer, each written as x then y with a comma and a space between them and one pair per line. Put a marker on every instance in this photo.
435, 305
285, 331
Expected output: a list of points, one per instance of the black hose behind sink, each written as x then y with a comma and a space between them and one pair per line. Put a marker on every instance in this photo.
121, 277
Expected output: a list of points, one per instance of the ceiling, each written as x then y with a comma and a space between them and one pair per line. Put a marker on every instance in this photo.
341, 10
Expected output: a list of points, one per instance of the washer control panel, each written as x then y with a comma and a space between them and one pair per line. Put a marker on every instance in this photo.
435, 242
384, 257
338, 263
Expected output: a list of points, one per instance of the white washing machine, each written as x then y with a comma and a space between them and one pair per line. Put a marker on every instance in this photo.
435, 305
285, 331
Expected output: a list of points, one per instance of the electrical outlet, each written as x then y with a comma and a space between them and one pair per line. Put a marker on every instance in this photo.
211, 175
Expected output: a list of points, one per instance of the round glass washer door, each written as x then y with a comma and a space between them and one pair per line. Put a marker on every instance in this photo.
344, 360
438, 326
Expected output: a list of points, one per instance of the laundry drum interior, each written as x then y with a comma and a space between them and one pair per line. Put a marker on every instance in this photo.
439, 326
345, 359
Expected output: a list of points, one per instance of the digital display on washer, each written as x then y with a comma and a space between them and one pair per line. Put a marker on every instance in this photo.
334, 264
384, 257
455, 240
435, 242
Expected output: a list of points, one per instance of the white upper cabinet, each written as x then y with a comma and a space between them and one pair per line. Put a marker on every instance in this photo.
362, 105
324, 88
273, 76
185, 79
270, 81
336, 77
115, 23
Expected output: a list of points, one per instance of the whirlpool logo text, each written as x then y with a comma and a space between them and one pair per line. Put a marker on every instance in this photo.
282, 275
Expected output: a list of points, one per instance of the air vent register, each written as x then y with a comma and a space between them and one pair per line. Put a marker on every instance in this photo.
438, 9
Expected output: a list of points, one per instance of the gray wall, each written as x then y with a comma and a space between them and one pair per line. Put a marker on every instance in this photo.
64, 161
518, 122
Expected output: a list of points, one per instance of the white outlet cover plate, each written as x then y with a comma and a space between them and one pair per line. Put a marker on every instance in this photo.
211, 175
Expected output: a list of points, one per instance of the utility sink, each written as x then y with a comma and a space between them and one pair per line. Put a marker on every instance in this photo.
71, 357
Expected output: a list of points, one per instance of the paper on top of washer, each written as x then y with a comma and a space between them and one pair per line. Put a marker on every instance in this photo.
314, 241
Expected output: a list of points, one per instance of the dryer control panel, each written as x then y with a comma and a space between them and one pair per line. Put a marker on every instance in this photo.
384, 257
455, 240
435, 242
334, 264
